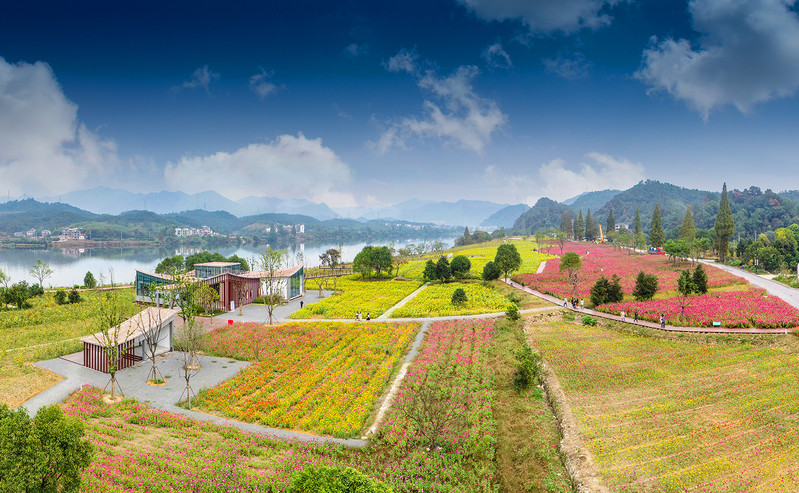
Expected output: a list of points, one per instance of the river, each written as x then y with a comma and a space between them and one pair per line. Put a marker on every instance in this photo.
70, 265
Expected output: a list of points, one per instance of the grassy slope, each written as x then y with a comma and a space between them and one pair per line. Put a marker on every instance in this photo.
661, 414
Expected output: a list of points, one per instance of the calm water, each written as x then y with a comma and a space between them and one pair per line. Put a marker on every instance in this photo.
70, 265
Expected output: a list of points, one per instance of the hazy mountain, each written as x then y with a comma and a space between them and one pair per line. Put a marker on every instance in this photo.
102, 200
546, 213
505, 217
590, 200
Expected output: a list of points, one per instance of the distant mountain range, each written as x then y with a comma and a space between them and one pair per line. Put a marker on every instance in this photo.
754, 210
102, 200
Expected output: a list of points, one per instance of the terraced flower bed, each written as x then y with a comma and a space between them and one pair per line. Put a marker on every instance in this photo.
661, 415
322, 377
357, 295
436, 301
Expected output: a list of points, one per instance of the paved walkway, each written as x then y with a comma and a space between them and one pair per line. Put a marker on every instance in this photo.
402, 302
651, 325
786, 293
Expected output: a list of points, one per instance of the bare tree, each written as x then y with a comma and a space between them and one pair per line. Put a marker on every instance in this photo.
430, 406
110, 315
271, 261
189, 340
149, 324
41, 271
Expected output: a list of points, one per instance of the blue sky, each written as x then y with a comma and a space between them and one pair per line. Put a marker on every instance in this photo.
365, 104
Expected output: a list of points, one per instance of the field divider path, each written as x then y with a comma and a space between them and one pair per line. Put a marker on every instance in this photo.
785, 293
412, 352
402, 302
541, 267
643, 323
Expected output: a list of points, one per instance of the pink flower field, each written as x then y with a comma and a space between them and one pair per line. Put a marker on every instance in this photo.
743, 306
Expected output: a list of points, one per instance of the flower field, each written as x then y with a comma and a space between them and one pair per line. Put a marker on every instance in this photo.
142, 449
662, 415
479, 255
373, 297
730, 300
734, 309
436, 301
321, 377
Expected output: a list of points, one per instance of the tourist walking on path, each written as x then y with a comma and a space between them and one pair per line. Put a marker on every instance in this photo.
635, 317
662, 321
582, 304
622, 317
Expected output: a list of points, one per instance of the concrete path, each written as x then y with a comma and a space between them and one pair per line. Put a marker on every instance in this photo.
402, 302
258, 313
541, 267
786, 293
214, 370
651, 325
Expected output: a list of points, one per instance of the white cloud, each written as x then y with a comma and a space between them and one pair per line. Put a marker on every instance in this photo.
404, 61
558, 182
200, 79
355, 50
545, 16
496, 57
459, 115
260, 85
569, 67
288, 167
44, 148
748, 54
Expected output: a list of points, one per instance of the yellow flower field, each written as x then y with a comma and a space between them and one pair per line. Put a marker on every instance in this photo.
321, 377
480, 255
436, 301
356, 295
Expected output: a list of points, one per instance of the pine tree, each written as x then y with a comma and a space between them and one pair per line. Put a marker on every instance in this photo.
611, 222
566, 223
656, 236
725, 225
579, 227
590, 227
637, 223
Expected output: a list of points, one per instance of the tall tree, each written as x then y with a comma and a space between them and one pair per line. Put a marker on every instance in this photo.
637, 223
571, 262
656, 236
41, 271
466, 236
566, 223
611, 223
271, 292
507, 258
590, 227
579, 227
688, 231
725, 225
110, 315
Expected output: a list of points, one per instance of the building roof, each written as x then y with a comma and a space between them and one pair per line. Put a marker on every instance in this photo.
135, 325
261, 274
218, 264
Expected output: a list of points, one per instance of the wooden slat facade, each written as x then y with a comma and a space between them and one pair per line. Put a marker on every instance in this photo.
94, 356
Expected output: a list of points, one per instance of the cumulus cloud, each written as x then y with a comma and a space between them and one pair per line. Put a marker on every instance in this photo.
603, 171
288, 167
569, 67
545, 16
455, 113
202, 78
496, 57
748, 53
260, 85
44, 148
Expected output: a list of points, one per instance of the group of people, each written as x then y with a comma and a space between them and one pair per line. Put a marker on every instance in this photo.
360, 317
574, 302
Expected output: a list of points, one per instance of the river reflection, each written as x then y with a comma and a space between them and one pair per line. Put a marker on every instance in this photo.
71, 264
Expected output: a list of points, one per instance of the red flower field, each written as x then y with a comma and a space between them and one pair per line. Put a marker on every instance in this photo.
740, 305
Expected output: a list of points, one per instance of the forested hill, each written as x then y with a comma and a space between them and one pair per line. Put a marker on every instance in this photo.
754, 210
